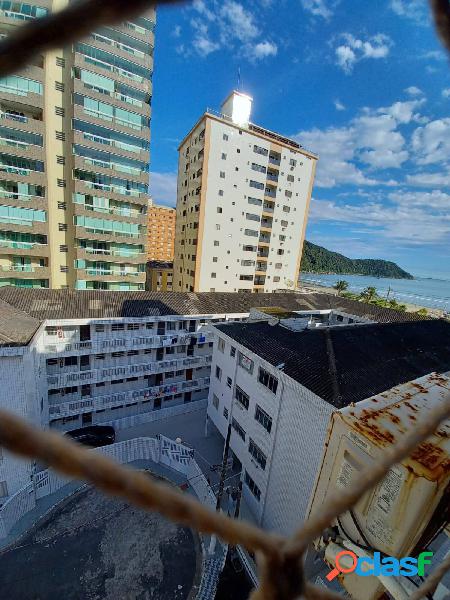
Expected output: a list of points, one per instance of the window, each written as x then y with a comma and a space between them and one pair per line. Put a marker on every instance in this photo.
221, 345
280, 252
278, 265
284, 223
288, 194
219, 210
251, 232
238, 429
222, 174
245, 277
263, 418
215, 402
225, 137
276, 279
282, 238
59, 86
252, 486
132, 326
229, 382
257, 454
290, 178
293, 163
258, 168
217, 227
225, 413
245, 363
241, 397
216, 243
218, 373
260, 150
268, 380
286, 209
254, 201
117, 327
232, 351
252, 217
214, 259
256, 184
220, 192
213, 275
224, 156
3, 489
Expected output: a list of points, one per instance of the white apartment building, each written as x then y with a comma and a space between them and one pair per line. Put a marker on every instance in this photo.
75, 358
277, 387
242, 204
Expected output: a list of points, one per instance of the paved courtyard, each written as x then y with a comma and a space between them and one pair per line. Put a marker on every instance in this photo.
93, 547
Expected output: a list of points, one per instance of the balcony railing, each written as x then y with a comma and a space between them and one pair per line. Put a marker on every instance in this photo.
21, 268
274, 161
106, 252
270, 193
271, 177
14, 117
140, 368
89, 403
129, 342
117, 273
19, 245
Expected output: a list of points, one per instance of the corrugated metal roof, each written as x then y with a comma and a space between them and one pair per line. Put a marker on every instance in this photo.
44, 304
348, 364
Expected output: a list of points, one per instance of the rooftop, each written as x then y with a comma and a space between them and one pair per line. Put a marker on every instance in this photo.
22, 310
348, 364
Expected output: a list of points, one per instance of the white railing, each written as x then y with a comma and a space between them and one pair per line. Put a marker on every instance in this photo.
130, 342
88, 403
128, 370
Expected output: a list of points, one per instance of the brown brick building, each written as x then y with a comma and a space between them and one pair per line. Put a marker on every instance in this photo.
161, 233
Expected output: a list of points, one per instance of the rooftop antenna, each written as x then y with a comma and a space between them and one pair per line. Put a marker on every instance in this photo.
239, 80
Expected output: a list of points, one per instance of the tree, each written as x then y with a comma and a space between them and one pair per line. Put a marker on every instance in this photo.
340, 286
369, 294
422, 312
393, 303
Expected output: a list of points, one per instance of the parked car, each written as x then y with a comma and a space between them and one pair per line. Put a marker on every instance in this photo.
93, 435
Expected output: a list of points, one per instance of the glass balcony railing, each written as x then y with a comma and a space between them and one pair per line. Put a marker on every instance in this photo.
91, 271
270, 193
98, 139
19, 268
271, 177
274, 161
119, 45
19, 245
13, 116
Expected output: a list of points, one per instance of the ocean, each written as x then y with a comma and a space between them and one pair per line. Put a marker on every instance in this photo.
424, 291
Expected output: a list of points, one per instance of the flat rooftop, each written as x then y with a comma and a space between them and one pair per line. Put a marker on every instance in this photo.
23, 310
348, 364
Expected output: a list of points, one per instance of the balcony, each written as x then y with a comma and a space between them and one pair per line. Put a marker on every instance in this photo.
266, 224
261, 267
127, 342
268, 207
77, 404
270, 193
68, 378
259, 281
275, 160
272, 176
264, 239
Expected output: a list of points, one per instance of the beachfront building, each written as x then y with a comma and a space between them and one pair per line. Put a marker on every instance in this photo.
74, 158
276, 385
161, 233
242, 204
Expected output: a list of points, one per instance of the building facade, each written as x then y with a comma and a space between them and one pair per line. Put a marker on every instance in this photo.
161, 233
74, 158
277, 388
159, 276
70, 358
242, 204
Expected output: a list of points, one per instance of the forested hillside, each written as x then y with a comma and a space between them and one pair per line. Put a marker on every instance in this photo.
320, 260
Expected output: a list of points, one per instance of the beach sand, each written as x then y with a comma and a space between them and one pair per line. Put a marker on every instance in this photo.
308, 288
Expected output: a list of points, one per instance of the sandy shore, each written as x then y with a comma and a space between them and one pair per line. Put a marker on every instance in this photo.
434, 312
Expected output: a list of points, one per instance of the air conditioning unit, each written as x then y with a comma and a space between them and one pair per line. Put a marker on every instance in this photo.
412, 504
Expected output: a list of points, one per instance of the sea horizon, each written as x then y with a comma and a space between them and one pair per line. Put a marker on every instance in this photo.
430, 292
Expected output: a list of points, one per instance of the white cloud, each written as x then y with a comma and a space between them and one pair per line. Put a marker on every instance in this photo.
424, 179
262, 50
413, 91
446, 93
176, 31
163, 188
370, 142
436, 199
319, 8
417, 10
432, 142
240, 22
352, 50
338, 105
229, 25
395, 222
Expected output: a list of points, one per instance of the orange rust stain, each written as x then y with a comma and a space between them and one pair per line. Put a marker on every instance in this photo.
412, 417
429, 455
411, 406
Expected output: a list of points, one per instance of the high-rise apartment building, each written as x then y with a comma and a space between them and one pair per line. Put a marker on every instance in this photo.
161, 233
242, 204
74, 158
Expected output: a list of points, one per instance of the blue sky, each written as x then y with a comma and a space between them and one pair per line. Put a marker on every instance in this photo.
366, 85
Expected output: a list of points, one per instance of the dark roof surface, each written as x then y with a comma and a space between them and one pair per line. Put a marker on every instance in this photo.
44, 304
347, 364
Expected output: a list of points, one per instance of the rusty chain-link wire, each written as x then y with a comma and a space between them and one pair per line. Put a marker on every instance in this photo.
279, 559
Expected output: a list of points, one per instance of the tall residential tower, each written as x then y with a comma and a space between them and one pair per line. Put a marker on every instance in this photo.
242, 204
74, 158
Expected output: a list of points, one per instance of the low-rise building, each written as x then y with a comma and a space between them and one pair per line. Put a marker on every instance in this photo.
70, 358
159, 276
277, 387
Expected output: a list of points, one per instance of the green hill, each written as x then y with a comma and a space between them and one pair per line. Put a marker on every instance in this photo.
316, 259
